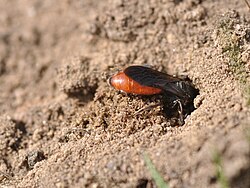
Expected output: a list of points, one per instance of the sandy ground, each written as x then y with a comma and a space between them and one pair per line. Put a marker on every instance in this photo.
62, 125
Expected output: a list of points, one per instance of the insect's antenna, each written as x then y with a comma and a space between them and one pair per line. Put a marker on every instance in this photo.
246, 1
147, 108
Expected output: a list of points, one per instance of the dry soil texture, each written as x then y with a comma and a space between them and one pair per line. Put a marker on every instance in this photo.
62, 125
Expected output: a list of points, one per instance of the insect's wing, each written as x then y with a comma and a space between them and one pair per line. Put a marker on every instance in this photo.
148, 77
171, 86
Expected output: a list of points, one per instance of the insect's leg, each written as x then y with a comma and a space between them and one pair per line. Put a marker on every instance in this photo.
180, 106
147, 108
174, 103
180, 111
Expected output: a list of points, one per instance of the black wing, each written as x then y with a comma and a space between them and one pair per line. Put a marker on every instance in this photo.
172, 86
148, 77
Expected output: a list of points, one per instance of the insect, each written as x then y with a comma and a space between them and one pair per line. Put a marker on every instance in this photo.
177, 94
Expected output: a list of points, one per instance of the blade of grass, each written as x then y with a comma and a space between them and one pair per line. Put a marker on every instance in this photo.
222, 179
154, 173
247, 4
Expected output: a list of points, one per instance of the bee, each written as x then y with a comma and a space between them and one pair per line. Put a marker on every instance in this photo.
177, 93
